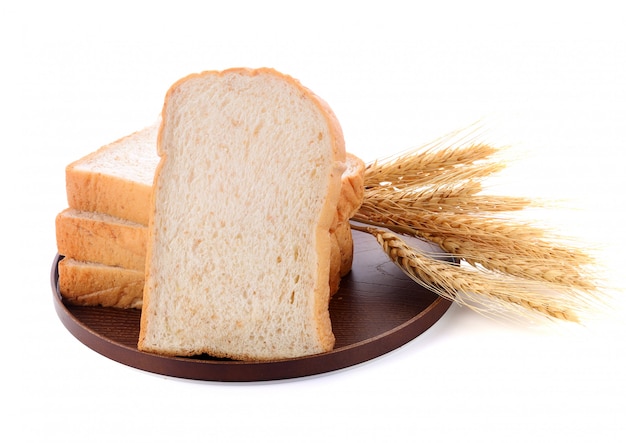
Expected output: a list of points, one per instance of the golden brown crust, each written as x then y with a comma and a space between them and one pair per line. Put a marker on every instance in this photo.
101, 240
340, 256
334, 276
109, 193
352, 188
345, 242
350, 200
90, 284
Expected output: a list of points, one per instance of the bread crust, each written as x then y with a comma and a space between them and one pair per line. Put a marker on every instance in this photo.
352, 189
93, 284
108, 193
96, 238
95, 194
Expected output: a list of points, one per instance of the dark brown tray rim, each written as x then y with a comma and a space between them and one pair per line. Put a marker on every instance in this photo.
244, 371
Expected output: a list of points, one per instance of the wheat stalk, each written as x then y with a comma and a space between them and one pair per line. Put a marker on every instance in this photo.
498, 244
427, 167
453, 231
450, 197
447, 159
471, 288
435, 193
534, 260
448, 224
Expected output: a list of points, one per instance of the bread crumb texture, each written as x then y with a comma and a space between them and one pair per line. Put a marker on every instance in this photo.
245, 196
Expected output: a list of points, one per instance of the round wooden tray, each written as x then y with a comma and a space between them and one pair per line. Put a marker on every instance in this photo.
376, 310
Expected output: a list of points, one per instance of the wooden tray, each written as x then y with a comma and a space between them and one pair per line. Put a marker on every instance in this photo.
376, 310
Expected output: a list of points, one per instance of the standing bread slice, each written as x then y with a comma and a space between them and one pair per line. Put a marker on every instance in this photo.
245, 196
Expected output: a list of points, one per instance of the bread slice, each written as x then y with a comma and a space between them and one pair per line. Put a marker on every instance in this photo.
245, 197
352, 188
117, 178
101, 238
95, 284
350, 200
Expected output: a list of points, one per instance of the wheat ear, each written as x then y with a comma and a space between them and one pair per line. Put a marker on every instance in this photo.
488, 294
436, 193
499, 245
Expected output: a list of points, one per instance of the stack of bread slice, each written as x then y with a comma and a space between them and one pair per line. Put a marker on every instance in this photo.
102, 235
226, 222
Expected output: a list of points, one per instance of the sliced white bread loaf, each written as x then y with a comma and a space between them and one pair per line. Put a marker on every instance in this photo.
101, 238
245, 198
95, 284
117, 178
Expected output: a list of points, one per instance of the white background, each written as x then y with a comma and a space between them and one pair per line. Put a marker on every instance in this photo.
544, 77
